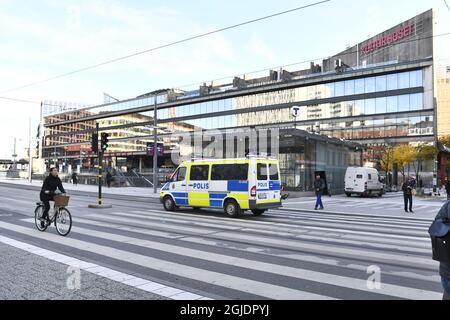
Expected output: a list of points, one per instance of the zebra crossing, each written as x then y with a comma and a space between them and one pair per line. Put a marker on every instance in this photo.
282, 255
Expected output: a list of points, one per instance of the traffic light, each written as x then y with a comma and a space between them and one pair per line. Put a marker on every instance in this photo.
104, 141
94, 146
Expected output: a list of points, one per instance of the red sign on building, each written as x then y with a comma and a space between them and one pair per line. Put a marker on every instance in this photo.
387, 40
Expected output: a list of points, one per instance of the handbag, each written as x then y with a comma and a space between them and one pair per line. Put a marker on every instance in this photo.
440, 235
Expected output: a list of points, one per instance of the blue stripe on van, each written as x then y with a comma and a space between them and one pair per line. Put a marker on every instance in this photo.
215, 203
214, 196
180, 195
181, 201
274, 185
237, 186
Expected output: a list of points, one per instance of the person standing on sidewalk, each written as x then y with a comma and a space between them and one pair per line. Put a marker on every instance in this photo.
108, 179
319, 187
407, 188
74, 178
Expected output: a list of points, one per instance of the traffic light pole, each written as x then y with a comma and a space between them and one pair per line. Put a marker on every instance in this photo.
100, 204
155, 149
100, 176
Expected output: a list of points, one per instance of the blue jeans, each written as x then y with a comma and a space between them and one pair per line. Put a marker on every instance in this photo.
446, 286
319, 200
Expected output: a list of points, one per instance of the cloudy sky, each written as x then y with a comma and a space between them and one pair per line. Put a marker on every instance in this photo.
42, 39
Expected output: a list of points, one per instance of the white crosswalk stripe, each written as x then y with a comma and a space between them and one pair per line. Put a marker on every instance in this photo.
281, 256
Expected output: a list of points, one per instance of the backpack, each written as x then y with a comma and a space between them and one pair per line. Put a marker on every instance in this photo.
440, 235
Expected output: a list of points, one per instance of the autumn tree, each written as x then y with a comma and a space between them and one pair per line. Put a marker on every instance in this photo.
403, 155
423, 152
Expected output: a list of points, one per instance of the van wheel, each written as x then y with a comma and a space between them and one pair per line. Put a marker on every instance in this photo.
232, 209
348, 195
257, 212
168, 203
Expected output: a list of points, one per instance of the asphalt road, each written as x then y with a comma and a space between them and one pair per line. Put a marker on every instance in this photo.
285, 254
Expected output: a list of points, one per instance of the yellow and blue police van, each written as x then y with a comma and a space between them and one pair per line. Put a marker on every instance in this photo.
234, 185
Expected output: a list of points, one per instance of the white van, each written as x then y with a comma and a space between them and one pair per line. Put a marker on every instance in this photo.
363, 181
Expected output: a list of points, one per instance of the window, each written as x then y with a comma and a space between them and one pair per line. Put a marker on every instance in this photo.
392, 104
403, 103
369, 85
359, 176
392, 82
273, 171
180, 175
223, 172
199, 173
370, 106
380, 83
349, 87
403, 80
359, 86
415, 101
339, 90
381, 105
416, 79
262, 171
370, 176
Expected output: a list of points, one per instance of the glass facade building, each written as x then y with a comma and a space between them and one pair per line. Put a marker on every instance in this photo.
376, 102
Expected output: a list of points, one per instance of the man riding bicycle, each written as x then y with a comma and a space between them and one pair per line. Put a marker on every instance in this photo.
51, 183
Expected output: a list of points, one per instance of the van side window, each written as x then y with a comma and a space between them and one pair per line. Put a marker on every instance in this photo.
180, 175
370, 176
261, 171
223, 172
273, 172
199, 173
359, 176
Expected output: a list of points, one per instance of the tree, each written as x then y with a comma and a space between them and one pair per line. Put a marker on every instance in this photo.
445, 141
423, 152
387, 163
403, 155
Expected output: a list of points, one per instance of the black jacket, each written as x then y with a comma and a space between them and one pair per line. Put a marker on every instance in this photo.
319, 185
407, 187
51, 183
444, 269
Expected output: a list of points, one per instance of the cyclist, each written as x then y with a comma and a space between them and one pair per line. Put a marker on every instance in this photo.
51, 183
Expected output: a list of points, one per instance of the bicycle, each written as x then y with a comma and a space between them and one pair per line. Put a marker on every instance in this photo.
61, 217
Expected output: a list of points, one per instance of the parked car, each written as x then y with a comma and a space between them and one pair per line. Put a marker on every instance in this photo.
363, 181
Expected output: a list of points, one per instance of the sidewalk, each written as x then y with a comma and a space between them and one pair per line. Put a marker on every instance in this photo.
25, 276
125, 191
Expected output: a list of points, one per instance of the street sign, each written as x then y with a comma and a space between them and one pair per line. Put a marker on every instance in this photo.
295, 111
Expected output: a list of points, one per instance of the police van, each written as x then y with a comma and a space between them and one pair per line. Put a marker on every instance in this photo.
235, 185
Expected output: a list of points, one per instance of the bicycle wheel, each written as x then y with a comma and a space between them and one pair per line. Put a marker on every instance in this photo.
38, 212
63, 222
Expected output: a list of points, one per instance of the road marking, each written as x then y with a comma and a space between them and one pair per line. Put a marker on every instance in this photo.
145, 285
224, 280
304, 274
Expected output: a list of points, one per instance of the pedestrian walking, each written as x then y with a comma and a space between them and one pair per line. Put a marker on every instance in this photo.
408, 189
75, 178
108, 179
440, 235
447, 188
319, 187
